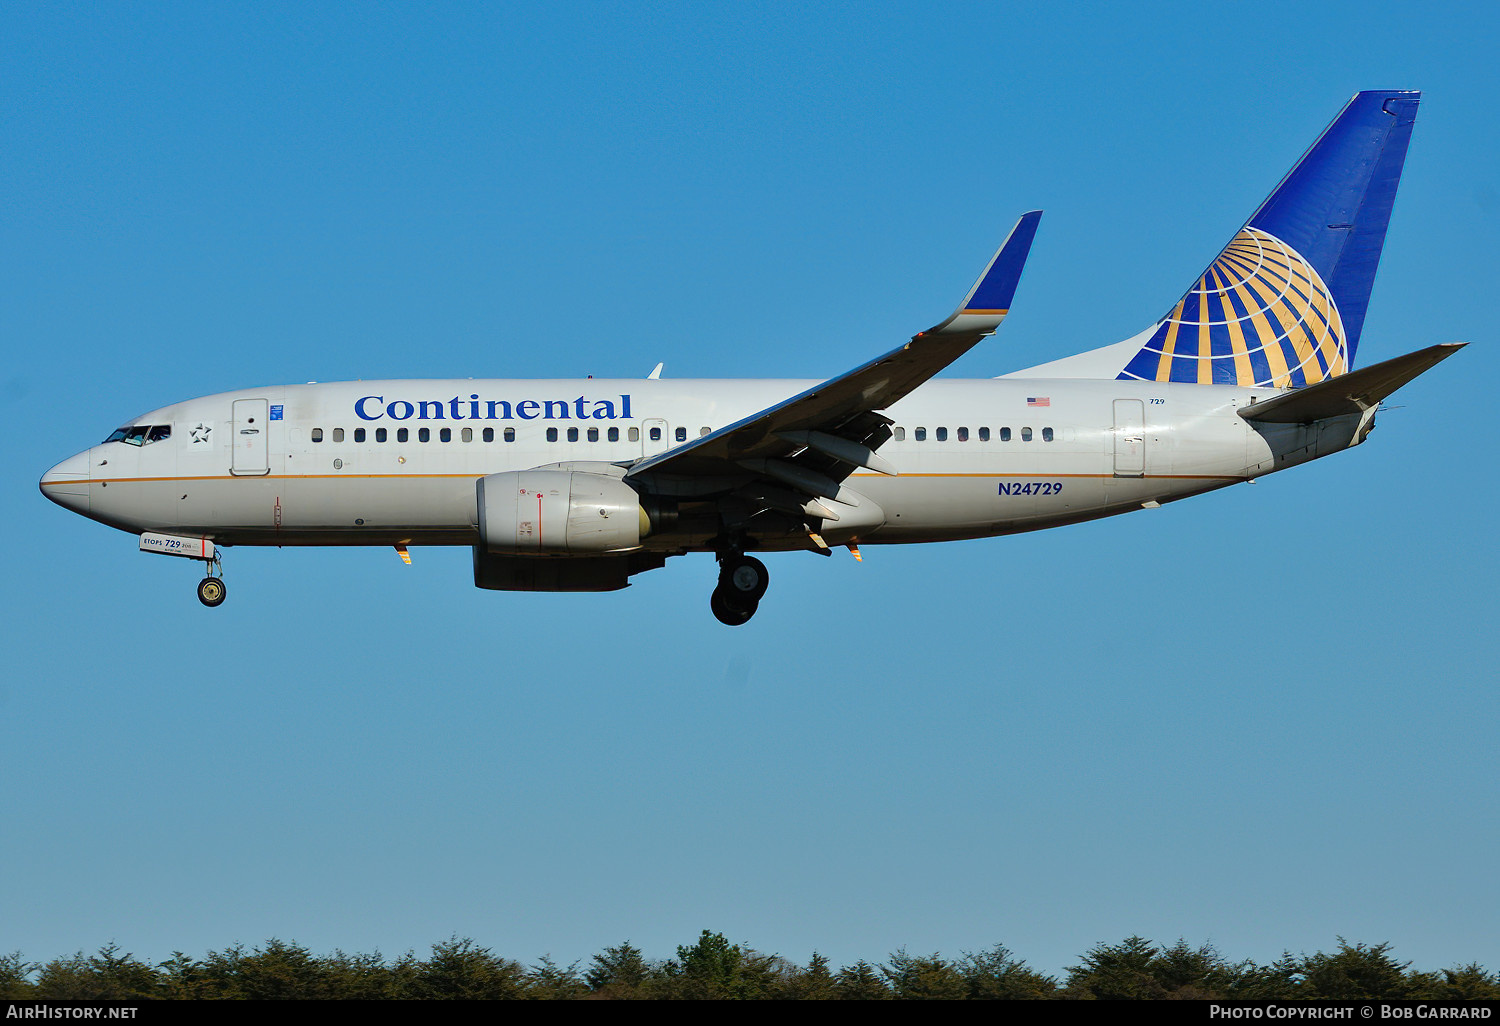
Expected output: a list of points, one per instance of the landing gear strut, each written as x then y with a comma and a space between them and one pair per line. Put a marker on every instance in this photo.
742, 582
211, 590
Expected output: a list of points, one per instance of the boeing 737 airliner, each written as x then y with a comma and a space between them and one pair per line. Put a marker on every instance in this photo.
578, 485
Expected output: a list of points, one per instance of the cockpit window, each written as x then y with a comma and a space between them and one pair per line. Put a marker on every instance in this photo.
141, 434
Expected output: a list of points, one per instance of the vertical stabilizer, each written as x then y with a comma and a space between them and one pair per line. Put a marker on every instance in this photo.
1284, 303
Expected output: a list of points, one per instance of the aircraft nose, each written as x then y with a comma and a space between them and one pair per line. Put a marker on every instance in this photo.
67, 484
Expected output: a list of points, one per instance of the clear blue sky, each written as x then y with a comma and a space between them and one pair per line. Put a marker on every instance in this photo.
1260, 718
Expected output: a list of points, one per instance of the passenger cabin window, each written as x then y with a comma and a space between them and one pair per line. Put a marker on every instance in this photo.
317, 434
613, 434
552, 434
704, 431
593, 434
984, 434
510, 434
900, 434
359, 434
1005, 434
920, 434
942, 434
1026, 434
488, 434
635, 434
467, 434
1046, 434
380, 434
445, 435
572, 434
963, 434
424, 434
403, 434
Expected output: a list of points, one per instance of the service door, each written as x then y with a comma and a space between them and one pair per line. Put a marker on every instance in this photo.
1130, 438
252, 454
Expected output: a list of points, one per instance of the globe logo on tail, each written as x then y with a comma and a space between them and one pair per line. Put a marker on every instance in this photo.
1261, 316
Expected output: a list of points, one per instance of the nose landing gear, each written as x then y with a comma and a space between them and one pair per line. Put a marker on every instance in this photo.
211, 590
742, 581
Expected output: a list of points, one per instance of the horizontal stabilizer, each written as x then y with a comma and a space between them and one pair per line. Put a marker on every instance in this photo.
1353, 392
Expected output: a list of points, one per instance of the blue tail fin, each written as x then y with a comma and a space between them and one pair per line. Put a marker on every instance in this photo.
1284, 303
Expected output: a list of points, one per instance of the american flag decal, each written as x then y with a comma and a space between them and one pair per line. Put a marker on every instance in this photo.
1038, 401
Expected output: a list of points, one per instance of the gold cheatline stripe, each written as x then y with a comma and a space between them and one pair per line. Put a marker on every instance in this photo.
318, 477
1000, 313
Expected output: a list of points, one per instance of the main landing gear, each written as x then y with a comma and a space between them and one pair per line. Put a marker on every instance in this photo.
742, 582
211, 590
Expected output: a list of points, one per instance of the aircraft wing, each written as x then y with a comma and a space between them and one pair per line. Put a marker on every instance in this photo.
813, 441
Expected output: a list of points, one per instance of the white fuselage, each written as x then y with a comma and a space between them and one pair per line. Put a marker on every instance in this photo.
347, 464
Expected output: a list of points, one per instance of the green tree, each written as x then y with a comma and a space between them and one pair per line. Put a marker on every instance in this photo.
924, 978
861, 982
107, 976
1117, 971
281, 971
15, 977
995, 974
1355, 972
618, 972
546, 981
815, 983
360, 977
460, 970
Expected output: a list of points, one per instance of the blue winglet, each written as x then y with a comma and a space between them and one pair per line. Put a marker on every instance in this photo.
996, 287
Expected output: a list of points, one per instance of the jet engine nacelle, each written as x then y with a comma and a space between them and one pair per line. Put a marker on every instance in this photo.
559, 512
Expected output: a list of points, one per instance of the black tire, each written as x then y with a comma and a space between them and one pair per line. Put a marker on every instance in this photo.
211, 591
726, 613
744, 580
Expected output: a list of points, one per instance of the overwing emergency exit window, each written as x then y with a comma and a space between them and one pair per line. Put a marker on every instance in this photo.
682, 434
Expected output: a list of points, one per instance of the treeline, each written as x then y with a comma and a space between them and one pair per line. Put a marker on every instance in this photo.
713, 969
